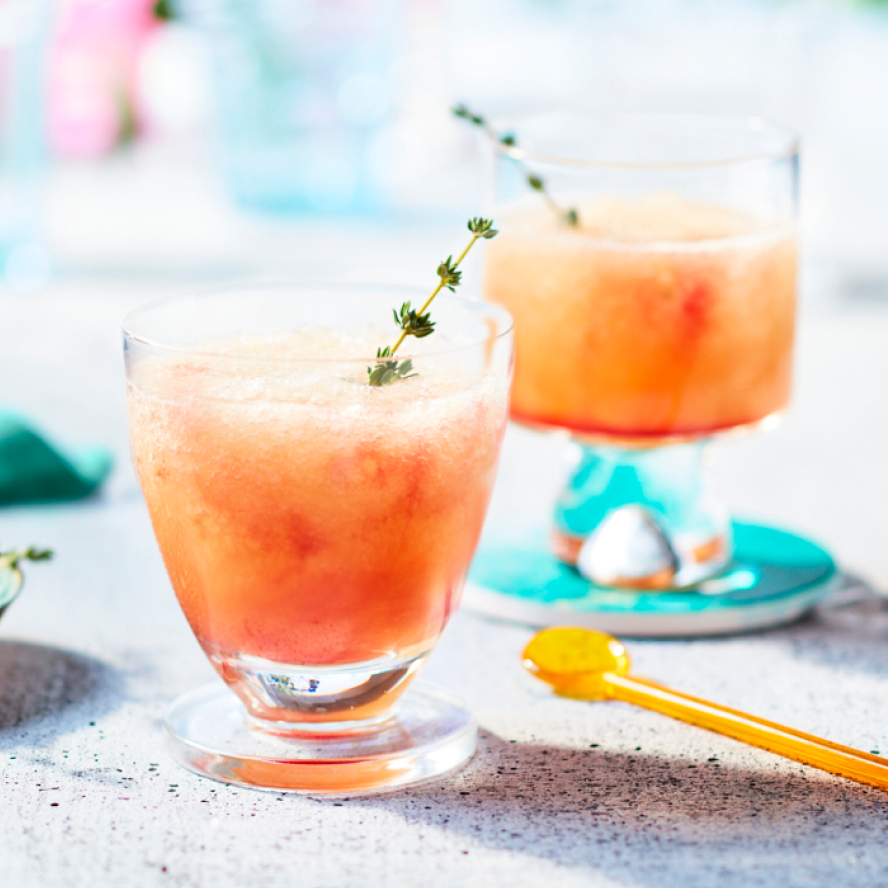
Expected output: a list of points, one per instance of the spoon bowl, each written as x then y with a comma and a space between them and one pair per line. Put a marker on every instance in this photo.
574, 661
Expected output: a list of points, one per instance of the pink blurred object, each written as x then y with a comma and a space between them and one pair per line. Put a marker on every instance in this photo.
93, 74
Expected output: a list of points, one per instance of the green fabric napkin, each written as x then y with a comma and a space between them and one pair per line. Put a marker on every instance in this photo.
33, 471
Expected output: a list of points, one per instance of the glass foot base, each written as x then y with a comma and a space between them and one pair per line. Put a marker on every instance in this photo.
427, 734
601, 558
773, 578
641, 518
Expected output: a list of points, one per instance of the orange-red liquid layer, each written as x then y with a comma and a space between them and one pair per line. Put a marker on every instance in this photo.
657, 317
314, 533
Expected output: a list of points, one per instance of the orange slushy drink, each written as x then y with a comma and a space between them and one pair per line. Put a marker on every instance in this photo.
656, 317
305, 517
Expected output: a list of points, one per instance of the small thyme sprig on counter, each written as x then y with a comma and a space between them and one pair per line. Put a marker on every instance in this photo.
10, 560
569, 216
418, 323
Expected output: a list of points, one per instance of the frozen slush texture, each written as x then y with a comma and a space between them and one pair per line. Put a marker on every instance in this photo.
303, 516
656, 317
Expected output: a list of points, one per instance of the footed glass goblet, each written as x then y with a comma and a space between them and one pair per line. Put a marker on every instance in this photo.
649, 262
316, 529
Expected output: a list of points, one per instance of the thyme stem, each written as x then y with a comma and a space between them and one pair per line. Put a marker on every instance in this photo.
442, 283
418, 323
569, 216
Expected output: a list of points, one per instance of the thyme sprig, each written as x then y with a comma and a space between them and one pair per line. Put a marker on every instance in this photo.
389, 368
10, 560
418, 322
569, 216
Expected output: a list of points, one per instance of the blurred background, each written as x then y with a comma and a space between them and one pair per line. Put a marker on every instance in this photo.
198, 139
151, 145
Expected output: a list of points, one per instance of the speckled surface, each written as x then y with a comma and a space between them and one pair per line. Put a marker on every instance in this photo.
560, 792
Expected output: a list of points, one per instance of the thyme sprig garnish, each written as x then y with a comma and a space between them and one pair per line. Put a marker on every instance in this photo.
418, 322
569, 216
10, 560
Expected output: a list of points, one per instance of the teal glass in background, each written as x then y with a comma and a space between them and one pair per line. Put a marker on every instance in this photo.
301, 89
23, 41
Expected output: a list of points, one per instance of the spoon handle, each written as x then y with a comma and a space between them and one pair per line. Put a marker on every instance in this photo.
833, 757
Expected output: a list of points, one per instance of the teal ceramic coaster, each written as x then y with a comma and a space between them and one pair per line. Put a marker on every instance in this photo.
774, 578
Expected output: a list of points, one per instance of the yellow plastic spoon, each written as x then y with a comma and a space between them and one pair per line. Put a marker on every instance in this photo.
587, 665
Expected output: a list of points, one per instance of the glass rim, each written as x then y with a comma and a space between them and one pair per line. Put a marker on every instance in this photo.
750, 124
477, 306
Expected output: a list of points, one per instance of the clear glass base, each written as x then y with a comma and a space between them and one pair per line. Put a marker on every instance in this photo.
425, 735
292, 694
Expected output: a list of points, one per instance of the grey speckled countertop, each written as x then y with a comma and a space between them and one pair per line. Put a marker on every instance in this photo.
560, 792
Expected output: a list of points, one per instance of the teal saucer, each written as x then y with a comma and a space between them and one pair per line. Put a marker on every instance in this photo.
774, 578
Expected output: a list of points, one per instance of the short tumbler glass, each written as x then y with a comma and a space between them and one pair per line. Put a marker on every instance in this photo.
317, 530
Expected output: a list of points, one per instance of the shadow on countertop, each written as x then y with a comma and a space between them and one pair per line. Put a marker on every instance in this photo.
642, 819
39, 682
847, 630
